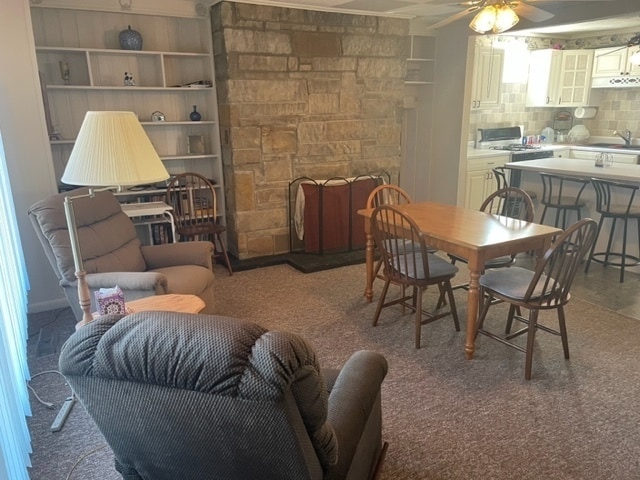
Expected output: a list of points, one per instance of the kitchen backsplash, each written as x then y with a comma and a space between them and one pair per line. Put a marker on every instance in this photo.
618, 109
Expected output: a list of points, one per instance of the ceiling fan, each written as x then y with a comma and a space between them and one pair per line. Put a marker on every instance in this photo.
500, 15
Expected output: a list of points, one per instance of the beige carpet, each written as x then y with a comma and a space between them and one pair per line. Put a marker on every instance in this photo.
444, 417
449, 418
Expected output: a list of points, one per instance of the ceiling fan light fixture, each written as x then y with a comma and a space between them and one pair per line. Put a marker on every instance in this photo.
506, 18
485, 19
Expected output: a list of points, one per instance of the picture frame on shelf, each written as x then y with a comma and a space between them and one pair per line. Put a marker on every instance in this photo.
195, 144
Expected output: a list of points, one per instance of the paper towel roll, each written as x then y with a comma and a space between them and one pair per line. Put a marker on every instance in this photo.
585, 112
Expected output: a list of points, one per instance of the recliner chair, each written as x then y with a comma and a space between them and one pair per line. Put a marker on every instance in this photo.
113, 255
190, 397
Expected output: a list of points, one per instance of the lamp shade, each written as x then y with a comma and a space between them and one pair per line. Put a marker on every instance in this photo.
505, 18
112, 149
498, 17
484, 20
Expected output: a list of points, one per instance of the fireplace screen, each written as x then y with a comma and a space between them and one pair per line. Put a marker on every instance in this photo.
323, 214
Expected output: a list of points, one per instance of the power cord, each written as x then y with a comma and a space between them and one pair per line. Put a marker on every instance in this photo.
89, 453
65, 409
62, 416
49, 405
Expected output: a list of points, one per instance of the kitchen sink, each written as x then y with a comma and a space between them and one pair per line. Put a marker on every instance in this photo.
614, 145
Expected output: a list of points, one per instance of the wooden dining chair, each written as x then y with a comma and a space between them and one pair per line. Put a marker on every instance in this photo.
410, 265
509, 202
545, 288
386, 194
193, 198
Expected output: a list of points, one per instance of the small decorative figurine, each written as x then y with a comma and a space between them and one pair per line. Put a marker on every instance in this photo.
128, 80
64, 71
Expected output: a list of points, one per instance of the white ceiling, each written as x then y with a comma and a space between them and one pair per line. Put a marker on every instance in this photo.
429, 12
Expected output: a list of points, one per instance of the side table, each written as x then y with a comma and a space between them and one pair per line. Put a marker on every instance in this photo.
159, 210
171, 302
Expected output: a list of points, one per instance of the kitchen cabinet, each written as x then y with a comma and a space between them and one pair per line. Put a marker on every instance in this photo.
544, 72
559, 78
614, 61
172, 75
487, 77
480, 181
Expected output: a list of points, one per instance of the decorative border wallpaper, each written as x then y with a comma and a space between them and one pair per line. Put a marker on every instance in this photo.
538, 43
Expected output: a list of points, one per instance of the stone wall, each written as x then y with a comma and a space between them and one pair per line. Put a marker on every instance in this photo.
301, 93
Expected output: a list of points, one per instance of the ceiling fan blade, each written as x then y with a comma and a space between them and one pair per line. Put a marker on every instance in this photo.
532, 13
453, 18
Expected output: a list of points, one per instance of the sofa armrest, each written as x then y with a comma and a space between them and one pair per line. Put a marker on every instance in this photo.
153, 282
173, 254
351, 401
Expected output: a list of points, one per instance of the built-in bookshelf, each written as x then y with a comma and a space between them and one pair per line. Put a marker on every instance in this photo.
82, 68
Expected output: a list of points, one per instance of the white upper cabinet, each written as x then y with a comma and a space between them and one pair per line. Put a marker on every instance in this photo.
487, 77
614, 61
544, 72
575, 77
559, 78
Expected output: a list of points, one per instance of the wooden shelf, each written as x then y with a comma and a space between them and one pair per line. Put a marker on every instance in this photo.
178, 51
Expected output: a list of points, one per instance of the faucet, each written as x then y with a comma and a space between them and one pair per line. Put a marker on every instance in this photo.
626, 136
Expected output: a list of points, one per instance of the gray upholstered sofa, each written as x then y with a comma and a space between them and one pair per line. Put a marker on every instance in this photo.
180, 396
113, 255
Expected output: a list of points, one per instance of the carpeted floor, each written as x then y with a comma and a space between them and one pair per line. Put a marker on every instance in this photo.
444, 417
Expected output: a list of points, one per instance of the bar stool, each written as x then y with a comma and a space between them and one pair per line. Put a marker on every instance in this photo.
614, 200
500, 174
558, 193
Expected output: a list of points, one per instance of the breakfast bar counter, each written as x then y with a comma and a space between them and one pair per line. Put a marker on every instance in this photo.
528, 178
622, 172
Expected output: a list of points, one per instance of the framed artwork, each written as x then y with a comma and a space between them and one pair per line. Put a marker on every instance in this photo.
195, 144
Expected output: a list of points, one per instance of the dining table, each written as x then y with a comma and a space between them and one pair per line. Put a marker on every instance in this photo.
471, 234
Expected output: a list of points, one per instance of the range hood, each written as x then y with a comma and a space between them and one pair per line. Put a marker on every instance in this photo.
620, 81
625, 81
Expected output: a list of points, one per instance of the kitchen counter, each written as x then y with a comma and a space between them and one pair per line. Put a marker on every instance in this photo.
580, 168
590, 148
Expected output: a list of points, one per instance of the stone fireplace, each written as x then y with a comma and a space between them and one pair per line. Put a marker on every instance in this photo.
301, 93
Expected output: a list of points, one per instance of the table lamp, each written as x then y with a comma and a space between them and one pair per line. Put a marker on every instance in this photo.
111, 151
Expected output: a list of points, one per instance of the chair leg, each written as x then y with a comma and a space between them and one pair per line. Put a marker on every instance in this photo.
610, 242
531, 334
383, 295
488, 301
452, 303
418, 320
442, 299
544, 212
624, 249
376, 271
512, 310
593, 247
224, 253
563, 332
